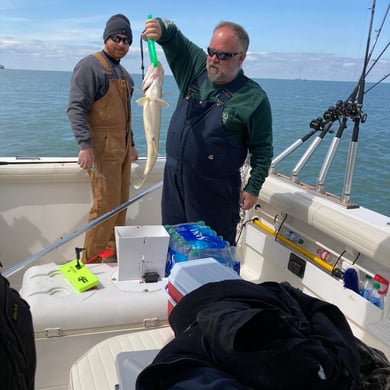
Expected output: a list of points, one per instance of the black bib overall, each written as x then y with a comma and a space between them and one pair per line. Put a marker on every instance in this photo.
202, 178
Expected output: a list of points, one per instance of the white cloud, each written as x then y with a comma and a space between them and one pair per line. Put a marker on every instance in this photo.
44, 54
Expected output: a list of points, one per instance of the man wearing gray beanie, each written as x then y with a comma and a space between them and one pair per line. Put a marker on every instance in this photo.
99, 111
118, 24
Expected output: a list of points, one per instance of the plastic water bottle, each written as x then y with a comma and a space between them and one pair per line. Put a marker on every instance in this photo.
376, 297
205, 242
178, 251
292, 236
182, 249
367, 287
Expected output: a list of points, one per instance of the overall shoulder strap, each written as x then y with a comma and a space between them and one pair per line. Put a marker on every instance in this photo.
194, 87
227, 93
99, 56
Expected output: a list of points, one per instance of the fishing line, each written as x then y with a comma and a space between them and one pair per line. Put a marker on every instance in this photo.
378, 58
378, 82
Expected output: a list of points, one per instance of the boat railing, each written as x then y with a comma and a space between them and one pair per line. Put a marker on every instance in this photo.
30, 260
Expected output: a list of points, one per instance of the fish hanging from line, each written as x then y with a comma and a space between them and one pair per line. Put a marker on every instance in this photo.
151, 103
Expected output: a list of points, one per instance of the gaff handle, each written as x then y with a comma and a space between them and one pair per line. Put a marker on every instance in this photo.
152, 49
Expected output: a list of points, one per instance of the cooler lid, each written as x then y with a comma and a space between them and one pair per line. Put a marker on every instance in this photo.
188, 275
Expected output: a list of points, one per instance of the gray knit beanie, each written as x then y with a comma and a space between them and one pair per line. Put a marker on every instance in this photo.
118, 24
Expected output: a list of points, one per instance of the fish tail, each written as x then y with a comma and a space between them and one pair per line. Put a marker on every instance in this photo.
140, 182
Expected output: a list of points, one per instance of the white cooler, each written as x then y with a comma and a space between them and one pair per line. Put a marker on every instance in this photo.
67, 323
189, 275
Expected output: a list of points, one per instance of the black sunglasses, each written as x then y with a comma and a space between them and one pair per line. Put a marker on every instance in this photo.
118, 39
221, 55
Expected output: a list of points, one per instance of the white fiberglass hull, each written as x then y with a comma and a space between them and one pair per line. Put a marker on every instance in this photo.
45, 201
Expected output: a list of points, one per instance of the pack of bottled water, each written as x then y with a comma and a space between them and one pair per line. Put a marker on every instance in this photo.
196, 240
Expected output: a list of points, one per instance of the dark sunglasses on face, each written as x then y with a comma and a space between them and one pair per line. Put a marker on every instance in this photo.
118, 39
221, 55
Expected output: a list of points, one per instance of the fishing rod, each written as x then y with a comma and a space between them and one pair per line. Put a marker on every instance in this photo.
357, 117
381, 53
351, 108
377, 35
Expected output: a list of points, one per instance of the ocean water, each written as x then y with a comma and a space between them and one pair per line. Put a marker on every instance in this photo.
33, 123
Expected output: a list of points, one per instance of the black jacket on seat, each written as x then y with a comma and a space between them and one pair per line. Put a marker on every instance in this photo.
236, 334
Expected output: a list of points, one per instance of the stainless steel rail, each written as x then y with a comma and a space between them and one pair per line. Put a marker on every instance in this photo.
82, 230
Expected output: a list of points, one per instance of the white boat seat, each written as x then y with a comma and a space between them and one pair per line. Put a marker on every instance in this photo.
96, 370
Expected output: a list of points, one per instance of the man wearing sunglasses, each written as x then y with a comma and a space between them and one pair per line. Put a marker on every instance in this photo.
99, 112
221, 116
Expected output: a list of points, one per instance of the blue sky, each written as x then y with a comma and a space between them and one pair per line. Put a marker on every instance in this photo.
311, 39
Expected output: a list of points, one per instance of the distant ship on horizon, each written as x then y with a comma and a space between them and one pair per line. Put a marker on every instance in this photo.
1, 66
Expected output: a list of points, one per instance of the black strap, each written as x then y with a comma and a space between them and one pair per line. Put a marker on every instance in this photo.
195, 85
142, 56
231, 88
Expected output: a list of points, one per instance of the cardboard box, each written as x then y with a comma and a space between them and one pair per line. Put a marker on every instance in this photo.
141, 249
189, 275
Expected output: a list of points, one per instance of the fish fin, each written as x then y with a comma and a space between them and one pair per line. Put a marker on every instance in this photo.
142, 101
163, 103
155, 147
